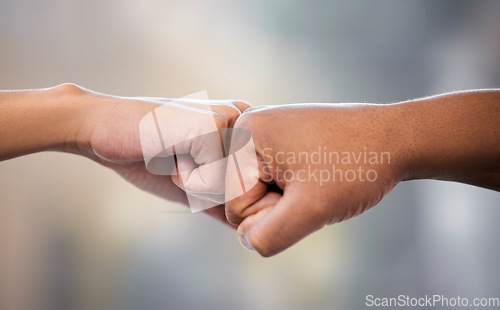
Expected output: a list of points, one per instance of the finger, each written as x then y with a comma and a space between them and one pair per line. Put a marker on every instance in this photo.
198, 128
272, 230
249, 222
202, 194
247, 202
269, 199
238, 105
235, 208
244, 183
204, 179
227, 112
242, 105
184, 164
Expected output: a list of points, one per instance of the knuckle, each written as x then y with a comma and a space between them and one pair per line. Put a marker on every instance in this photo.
242, 105
252, 117
226, 114
232, 217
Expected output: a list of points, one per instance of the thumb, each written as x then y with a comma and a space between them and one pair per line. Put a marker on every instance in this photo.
282, 222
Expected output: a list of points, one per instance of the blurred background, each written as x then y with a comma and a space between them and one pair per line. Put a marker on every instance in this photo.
74, 235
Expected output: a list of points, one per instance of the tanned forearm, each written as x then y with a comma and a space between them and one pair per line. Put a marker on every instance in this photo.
454, 137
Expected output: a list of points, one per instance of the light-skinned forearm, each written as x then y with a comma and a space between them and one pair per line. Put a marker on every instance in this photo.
38, 120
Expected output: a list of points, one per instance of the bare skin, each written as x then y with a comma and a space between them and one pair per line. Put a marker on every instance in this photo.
452, 137
104, 128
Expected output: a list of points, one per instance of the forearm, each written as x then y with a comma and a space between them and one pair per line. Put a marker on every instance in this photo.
454, 137
38, 120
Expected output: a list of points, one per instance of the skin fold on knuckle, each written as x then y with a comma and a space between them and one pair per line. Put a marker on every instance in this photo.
232, 217
242, 105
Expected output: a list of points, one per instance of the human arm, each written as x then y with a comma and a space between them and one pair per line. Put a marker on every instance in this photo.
105, 129
42, 119
452, 137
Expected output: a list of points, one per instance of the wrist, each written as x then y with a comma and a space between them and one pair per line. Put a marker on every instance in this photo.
72, 108
452, 137
404, 141
39, 120
415, 125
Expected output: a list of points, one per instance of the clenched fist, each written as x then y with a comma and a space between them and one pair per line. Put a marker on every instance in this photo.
321, 164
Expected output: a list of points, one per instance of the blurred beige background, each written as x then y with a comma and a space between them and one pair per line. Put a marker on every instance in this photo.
74, 235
